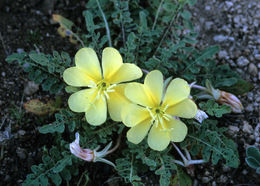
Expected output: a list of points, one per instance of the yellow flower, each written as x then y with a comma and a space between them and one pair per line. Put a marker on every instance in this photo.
153, 108
104, 92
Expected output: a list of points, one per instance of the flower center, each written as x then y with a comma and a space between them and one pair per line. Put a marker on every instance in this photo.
158, 115
103, 88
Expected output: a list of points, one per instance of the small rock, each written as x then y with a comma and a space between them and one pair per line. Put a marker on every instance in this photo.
207, 8
214, 183
257, 57
252, 69
21, 132
21, 153
205, 180
220, 38
233, 130
19, 50
3, 74
226, 168
208, 25
223, 54
244, 172
236, 19
242, 61
229, 4
31, 88
249, 108
247, 128
223, 179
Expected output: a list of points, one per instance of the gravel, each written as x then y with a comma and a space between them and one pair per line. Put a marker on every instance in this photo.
234, 26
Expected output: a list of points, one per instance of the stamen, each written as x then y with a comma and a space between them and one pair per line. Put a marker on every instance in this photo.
112, 90
107, 96
150, 112
92, 84
165, 108
112, 86
167, 117
156, 123
103, 98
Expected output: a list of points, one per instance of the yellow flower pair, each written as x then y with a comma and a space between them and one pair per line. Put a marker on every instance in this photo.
146, 108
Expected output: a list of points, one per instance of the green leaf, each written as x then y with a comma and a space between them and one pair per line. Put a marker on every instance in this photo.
51, 128
239, 88
165, 170
48, 83
214, 109
39, 58
65, 174
258, 170
208, 53
56, 179
62, 164
181, 179
186, 14
253, 152
43, 180
16, 57
252, 162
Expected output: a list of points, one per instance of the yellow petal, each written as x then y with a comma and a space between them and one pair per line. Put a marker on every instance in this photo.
158, 139
86, 59
76, 77
178, 130
154, 85
137, 93
81, 100
111, 62
184, 109
127, 72
177, 91
97, 113
134, 114
137, 133
117, 102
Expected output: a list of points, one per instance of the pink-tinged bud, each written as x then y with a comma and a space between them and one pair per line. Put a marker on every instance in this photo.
230, 100
85, 154
200, 116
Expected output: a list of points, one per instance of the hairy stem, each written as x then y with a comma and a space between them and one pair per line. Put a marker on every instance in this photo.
117, 145
157, 14
106, 24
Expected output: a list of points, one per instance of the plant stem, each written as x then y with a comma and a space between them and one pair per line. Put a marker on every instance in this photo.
117, 145
77, 37
122, 25
157, 14
179, 163
106, 24
145, 71
191, 162
199, 87
167, 30
180, 153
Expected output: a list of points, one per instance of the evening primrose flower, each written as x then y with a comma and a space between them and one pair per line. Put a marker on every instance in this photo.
152, 108
104, 89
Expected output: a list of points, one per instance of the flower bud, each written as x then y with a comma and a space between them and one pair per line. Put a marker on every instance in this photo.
230, 100
85, 154
200, 116
88, 154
